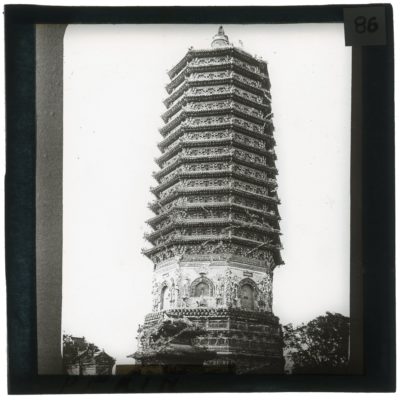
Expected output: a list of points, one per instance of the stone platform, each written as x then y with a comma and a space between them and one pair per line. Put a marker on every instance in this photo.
250, 341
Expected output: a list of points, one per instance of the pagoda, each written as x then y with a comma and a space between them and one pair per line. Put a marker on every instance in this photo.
215, 234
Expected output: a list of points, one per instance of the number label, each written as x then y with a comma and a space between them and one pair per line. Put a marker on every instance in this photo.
364, 26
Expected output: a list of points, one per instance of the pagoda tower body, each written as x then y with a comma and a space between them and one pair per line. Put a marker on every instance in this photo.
216, 237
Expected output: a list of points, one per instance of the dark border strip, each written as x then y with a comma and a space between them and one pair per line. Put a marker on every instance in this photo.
377, 198
49, 194
174, 15
356, 231
378, 213
20, 200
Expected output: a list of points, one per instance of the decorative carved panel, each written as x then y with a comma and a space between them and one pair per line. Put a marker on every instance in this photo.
245, 65
250, 172
247, 95
208, 105
249, 157
207, 151
207, 61
209, 90
207, 135
246, 80
207, 76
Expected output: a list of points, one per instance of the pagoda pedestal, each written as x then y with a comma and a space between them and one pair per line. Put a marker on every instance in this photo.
251, 341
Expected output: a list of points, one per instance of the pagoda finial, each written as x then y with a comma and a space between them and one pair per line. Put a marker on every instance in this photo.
220, 39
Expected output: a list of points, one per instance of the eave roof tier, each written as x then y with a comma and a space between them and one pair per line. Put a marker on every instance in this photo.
176, 134
232, 83
186, 239
268, 183
235, 80
217, 189
230, 64
249, 259
216, 205
201, 108
180, 116
228, 50
235, 144
232, 223
212, 158
171, 111
189, 97
263, 208
218, 107
257, 317
232, 123
217, 67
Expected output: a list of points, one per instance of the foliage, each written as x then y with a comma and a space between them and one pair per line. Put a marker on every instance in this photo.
83, 358
320, 346
74, 346
173, 329
172, 340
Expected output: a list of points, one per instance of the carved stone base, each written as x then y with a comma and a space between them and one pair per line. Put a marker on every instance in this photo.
249, 341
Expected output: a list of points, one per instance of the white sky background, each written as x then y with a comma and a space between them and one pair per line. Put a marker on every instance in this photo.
114, 78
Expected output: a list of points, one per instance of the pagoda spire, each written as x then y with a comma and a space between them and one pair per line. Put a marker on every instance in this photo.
220, 39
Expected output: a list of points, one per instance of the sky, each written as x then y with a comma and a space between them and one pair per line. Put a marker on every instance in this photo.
114, 79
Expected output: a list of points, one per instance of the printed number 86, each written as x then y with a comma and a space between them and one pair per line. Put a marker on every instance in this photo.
363, 25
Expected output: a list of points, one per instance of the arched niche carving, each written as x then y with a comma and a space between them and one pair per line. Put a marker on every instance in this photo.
250, 282
164, 296
248, 293
202, 286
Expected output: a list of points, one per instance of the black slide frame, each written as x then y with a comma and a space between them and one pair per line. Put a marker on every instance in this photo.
372, 205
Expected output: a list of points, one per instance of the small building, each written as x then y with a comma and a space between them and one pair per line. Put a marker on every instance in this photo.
83, 358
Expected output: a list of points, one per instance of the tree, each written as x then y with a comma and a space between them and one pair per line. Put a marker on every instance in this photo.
321, 346
73, 348
172, 341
